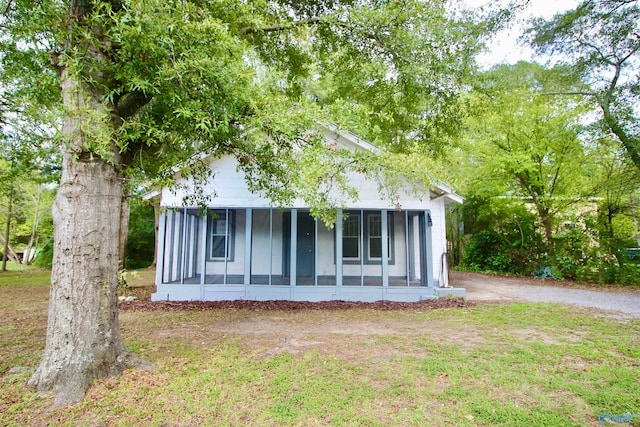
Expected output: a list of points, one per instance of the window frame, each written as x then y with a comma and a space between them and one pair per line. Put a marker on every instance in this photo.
357, 237
230, 234
363, 241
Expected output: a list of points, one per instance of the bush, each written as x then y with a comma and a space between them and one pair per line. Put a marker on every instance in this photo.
487, 252
44, 257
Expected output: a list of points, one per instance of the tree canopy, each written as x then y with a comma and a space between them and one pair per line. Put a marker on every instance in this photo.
600, 39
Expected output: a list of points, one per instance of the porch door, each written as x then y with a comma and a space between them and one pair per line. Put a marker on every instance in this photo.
306, 257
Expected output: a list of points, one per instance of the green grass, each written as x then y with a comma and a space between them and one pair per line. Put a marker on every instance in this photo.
511, 365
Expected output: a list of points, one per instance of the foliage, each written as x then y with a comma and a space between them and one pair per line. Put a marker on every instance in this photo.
26, 196
196, 76
535, 150
141, 239
504, 235
527, 144
599, 40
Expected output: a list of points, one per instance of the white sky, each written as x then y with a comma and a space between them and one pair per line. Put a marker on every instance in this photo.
504, 47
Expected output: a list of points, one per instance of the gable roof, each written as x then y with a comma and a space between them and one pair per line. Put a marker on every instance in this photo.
437, 191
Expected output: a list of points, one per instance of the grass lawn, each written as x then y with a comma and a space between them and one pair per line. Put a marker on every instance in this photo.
512, 365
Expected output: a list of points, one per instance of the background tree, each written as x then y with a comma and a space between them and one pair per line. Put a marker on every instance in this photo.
21, 195
147, 84
600, 39
141, 245
527, 145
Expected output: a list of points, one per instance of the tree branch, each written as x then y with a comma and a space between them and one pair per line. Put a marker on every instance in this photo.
278, 27
130, 103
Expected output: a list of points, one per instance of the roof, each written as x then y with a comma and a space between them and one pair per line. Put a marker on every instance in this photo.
436, 191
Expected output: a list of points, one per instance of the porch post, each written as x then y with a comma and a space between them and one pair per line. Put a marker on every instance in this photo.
270, 246
203, 252
406, 245
183, 246
385, 248
362, 246
428, 248
226, 245
247, 246
339, 247
294, 247
161, 246
315, 252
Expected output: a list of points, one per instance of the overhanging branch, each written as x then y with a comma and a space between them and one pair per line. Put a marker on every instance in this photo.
279, 27
130, 103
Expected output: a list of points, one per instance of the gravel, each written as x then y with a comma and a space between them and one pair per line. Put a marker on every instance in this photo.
481, 287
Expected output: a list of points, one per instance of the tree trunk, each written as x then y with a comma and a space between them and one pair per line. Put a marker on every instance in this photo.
11, 254
27, 257
83, 339
5, 252
633, 203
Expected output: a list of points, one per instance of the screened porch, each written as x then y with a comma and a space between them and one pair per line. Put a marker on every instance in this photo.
273, 250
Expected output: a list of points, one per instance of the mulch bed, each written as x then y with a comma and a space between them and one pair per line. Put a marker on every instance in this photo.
280, 305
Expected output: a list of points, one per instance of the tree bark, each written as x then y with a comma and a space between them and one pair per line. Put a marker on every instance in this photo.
83, 338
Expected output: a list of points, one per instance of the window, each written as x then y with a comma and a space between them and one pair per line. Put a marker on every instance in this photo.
374, 236
221, 235
351, 237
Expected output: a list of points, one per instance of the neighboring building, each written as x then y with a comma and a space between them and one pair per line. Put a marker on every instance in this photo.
245, 249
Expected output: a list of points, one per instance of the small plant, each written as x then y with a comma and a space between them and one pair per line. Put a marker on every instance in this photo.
547, 272
123, 276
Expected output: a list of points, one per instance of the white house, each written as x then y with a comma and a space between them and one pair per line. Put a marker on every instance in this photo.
246, 249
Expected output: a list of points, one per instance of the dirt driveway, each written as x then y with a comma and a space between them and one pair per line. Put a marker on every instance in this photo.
481, 287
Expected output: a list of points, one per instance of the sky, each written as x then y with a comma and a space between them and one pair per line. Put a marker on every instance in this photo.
504, 46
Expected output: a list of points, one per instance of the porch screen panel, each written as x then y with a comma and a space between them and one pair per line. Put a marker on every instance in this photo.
372, 238
268, 248
398, 239
172, 247
190, 247
417, 249
260, 247
325, 256
352, 248
225, 231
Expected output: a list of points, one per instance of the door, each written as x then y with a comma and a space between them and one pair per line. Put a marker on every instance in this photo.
306, 255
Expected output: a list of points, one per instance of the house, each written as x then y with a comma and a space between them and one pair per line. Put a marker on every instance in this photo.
246, 249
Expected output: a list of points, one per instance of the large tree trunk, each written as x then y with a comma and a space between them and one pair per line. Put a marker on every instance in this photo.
83, 339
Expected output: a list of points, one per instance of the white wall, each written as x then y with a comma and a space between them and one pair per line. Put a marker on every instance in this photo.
229, 189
